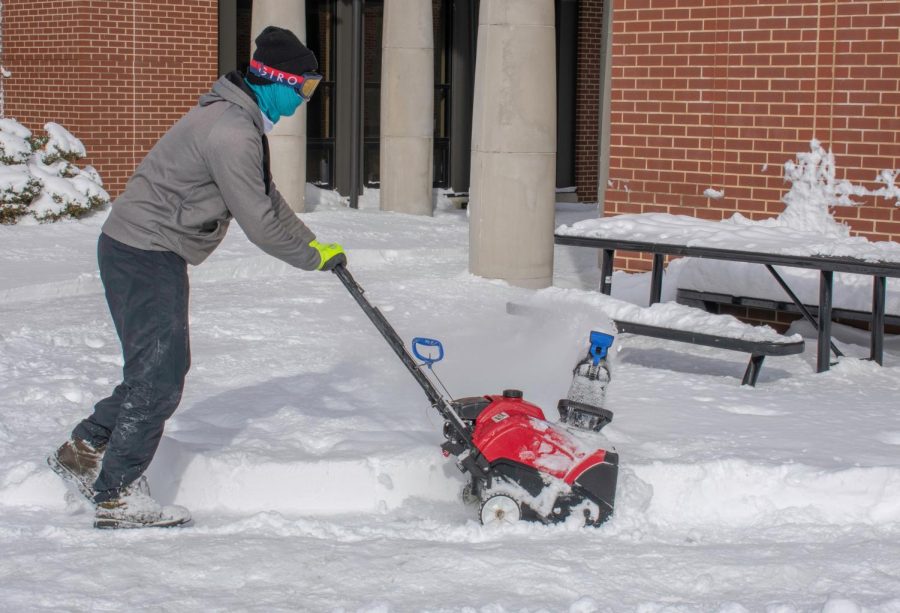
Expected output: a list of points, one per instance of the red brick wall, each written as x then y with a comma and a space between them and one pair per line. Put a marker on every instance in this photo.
719, 93
587, 97
115, 74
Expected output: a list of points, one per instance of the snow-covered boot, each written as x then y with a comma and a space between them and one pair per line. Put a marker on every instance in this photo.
134, 508
78, 463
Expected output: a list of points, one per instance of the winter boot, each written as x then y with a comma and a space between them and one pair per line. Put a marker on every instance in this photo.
78, 463
133, 508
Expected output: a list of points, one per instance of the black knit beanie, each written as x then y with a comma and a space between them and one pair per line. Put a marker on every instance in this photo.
280, 49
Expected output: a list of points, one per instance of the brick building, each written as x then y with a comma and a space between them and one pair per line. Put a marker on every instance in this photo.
116, 74
688, 94
719, 94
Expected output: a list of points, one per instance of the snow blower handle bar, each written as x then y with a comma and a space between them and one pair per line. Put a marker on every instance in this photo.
393, 339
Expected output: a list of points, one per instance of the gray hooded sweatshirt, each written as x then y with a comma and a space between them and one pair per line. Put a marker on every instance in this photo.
205, 170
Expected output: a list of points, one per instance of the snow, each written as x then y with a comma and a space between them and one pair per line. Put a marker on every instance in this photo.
557, 301
12, 140
309, 457
852, 292
11, 126
737, 233
62, 141
13, 178
806, 227
59, 190
815, 188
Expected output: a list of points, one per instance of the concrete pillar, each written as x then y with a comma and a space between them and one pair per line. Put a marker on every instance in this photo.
407, 107
287, 142
513, 190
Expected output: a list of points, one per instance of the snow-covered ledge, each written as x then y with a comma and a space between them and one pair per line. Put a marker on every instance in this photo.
805, 228
738, 233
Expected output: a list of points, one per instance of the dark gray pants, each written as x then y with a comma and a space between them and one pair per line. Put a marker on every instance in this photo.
147, 294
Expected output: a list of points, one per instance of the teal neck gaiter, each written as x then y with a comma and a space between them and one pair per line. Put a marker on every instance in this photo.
276, 100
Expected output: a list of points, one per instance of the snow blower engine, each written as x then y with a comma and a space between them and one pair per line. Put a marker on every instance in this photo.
519, 465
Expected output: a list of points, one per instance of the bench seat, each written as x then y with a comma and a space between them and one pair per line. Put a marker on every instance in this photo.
712, 301
758, 349
668, 321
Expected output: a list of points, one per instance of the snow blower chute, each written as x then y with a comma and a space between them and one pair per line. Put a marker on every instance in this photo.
519, 465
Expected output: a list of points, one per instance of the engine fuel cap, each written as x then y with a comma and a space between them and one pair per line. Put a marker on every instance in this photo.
512, 393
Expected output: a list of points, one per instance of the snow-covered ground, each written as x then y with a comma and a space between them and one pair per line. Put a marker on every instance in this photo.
310, 458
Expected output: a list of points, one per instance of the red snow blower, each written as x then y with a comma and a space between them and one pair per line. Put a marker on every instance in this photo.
519, 465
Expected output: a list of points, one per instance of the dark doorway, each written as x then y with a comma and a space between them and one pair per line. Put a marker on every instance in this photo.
320, 133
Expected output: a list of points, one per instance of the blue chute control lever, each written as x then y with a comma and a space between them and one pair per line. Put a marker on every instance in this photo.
600, 344
427, 342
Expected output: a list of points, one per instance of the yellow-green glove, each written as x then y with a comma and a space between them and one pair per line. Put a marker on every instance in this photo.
332, 255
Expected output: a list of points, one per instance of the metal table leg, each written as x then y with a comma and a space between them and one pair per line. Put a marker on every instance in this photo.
753, 368
823, 361
606, 271
656, 278
803, 310
876, 346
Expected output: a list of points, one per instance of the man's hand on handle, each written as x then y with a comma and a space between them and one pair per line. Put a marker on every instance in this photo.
332, 254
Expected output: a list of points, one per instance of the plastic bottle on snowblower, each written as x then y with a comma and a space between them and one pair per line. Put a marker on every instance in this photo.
583, 406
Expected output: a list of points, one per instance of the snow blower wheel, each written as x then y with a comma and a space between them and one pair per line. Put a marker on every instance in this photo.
500, 509
468, 495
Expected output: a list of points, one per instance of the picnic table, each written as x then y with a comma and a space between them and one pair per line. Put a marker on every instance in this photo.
826, 264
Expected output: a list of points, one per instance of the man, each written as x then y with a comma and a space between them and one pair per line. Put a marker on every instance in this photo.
210, 167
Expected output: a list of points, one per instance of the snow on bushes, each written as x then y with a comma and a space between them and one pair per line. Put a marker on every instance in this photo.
39, 178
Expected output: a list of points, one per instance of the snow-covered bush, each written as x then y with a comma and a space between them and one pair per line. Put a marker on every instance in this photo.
15, 147
39, 177
815, 191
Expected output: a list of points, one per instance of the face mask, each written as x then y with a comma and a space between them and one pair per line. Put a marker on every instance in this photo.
276, 100
268, 126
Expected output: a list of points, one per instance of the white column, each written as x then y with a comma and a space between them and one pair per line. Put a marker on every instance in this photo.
513, 186
407, 107
287, 142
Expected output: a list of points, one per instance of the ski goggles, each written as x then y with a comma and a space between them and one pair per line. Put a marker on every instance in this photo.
304, 84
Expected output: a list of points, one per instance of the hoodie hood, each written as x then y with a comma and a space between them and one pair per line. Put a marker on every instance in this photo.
231, 88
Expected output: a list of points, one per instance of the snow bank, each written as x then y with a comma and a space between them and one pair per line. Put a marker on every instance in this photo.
735, 493
559, 301
244, 484
370, 199
853, 292
725, 494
